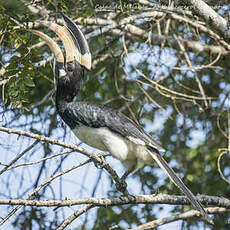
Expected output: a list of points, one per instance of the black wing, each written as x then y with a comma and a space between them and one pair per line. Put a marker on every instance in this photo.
97, 115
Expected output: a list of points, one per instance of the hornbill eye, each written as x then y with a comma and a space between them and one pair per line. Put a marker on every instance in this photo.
70, 66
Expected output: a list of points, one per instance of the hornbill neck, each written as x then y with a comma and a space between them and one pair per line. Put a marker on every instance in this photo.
68, 87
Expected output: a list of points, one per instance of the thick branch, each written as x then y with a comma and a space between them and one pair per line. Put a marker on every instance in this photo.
210, 16
134, 199
191, 45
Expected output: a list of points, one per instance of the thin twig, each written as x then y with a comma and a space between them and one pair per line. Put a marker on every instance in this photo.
182, 216
76, 214
18, 157
154, 84
40, 160
178, 39
219, 167
40, 187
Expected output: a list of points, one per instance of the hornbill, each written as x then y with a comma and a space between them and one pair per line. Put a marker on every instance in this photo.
97, 125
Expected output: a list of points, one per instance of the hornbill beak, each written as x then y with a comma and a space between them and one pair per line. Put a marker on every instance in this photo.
75, 44
80, 42
52, 44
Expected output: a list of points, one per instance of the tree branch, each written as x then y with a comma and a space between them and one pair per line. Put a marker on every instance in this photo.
182, 216
36, 190
191, 45
18, 157
95, 158
122, 200
210, 16
76, 214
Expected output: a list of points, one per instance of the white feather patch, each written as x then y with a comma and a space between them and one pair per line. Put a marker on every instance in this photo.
159, 148
62, 73
136, 141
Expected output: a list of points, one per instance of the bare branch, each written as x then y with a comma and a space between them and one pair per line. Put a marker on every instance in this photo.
97, 159
191, 67
169, 93
40, 160
182, 216
18, 157
76, 214
224, 152
211, 17
191, 45
39, 188
122, 200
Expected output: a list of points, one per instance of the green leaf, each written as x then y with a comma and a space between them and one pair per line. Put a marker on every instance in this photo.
29, 82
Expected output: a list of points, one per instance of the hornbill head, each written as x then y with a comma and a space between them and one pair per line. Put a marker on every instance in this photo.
77, 54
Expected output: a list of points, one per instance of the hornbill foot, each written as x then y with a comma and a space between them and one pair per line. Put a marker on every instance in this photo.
101, 163
121, 186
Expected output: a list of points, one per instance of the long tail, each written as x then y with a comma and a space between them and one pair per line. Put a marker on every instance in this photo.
178, 182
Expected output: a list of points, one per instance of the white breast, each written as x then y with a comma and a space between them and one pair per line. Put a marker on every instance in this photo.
130, 152
103, 139
90, 136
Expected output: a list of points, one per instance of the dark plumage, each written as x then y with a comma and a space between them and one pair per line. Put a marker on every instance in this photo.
97, 115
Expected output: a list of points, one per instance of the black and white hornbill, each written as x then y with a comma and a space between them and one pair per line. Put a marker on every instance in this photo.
97, 125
